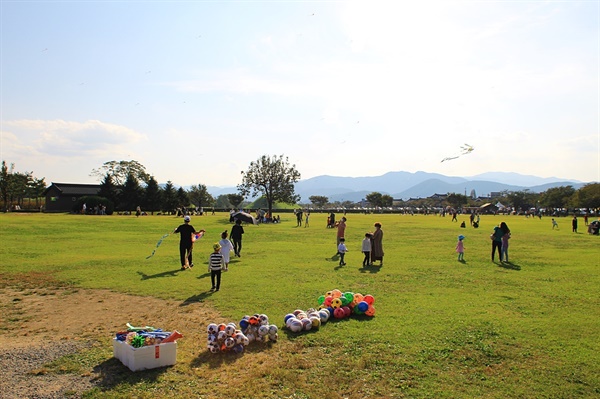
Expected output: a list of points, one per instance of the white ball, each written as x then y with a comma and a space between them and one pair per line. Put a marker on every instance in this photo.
273, 329
306, 324
212, 328
229, 342
295, 325
229, 330
221, 336
263, 319
251, 337
263, 330
273, 337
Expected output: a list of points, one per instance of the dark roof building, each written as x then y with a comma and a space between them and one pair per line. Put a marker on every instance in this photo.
61, 197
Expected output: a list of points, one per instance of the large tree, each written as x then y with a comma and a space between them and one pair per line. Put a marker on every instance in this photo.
119, 170
318, 200
152, 195
235, 199
273, 177
557, 197
200, 196
588, 196
131, 197
108, 189
169, 198
456, 200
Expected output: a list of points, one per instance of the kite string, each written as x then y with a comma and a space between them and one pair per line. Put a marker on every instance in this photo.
157, 245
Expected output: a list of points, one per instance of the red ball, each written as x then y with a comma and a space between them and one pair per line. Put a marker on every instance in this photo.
347, 311
339, 313
369, 299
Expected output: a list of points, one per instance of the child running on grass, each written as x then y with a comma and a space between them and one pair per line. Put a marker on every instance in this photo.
226, 248
460, 248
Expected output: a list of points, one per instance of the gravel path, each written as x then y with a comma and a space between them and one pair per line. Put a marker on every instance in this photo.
22, 374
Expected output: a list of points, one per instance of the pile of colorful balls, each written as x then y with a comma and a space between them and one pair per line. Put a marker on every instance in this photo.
146, 336
228, 337
336, 304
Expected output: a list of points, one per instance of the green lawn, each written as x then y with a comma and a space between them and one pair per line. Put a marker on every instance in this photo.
442, 329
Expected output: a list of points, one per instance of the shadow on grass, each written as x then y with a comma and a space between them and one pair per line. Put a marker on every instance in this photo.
509, 265
113, 373
370, 269
169, 273
220, 359
197, 298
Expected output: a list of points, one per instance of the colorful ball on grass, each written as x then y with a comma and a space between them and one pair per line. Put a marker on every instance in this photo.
336, 303
328, 300
321, 299
362, 306
329, 293
371, 311
345, 301
253, 320
244, 323
239, 348
349, 296
339, 313
222, 326
336, 293
316, 321
347, 311
369, 299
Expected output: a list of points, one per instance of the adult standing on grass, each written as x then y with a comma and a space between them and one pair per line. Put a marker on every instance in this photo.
185, 231
496, 237
236, 236
377, 245
574, 224
505, 238
341, 230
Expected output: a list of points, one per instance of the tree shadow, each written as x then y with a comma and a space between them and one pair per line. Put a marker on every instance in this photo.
509, 265
169, 273
370, 269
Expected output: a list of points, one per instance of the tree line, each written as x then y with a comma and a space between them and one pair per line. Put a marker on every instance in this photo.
127, 185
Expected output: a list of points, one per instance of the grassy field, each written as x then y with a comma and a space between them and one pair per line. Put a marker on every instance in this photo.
443, 329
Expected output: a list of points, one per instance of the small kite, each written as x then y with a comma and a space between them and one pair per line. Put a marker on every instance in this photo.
157, 245
464, 150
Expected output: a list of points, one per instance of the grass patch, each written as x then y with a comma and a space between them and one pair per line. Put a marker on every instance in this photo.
443, 329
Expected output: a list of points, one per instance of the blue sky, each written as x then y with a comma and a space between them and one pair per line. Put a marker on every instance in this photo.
196, 90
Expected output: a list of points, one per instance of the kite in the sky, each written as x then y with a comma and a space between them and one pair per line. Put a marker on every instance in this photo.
464, 150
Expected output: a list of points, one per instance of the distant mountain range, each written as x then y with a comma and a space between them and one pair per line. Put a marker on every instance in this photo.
405, 185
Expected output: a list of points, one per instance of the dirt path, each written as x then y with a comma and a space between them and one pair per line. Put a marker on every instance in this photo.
40, 325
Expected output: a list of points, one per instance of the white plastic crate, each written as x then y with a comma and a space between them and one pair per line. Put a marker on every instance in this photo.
146, 357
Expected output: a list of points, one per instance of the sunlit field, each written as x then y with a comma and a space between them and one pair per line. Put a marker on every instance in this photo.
442, 328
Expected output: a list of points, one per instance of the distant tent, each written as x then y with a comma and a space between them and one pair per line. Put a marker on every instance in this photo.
499, 205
